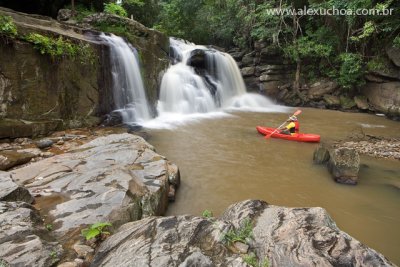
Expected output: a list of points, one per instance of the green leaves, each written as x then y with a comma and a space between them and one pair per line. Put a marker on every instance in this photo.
351, 70
112, 8
244, 232
95, 230
7, 27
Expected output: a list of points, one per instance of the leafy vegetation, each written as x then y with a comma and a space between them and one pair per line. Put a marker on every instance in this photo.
113, 8
207, 214
244, 232
49, 227
96, 230
252, 260
7, 27
60, 48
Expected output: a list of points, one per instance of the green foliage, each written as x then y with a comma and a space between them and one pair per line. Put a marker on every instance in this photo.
112, 8
252, 260
377, 63
95, 230
82, 11
49, 227
7, 27
351, 70
306, 48
60, 48
207, 214
368, 30
396, 42
144, 11
244, 232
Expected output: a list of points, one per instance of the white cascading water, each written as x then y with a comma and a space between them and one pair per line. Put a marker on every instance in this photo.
129, 94
183, 91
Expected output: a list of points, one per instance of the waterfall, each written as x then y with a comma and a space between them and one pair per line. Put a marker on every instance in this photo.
128, 90
204, 80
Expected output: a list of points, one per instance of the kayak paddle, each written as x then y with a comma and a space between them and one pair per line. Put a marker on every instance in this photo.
294, 114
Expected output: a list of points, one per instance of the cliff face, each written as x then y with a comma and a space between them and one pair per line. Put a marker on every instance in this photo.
39, 94
265, 70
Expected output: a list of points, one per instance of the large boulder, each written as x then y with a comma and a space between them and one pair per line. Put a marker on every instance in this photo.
319, 89
344, 164
383, 97
23, 239
116, 178
10, 191
394, 55
281, 236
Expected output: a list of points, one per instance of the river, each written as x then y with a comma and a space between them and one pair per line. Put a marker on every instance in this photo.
223, 160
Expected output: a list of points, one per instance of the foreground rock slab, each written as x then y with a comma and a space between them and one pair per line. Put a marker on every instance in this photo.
282, 236
117, 178
23, 239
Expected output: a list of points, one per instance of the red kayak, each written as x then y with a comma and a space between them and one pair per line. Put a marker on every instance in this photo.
300, 137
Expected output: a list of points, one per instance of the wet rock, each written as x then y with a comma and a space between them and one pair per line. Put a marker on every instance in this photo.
344, 164
283, 236
44, 143
321, 154
116, 178
21, 230
112, 119
9, 159
10, 191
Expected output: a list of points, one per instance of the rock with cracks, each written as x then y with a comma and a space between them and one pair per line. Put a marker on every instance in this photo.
116, 178
282, 236
23, 239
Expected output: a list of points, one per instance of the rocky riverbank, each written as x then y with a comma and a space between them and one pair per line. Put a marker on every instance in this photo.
84, 177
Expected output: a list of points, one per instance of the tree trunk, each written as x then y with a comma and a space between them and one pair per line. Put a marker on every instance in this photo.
73, 7
296, 84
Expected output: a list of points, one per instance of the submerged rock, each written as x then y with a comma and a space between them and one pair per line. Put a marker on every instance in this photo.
281, 236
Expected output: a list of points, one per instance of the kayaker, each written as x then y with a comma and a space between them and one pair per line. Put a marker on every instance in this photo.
292, 127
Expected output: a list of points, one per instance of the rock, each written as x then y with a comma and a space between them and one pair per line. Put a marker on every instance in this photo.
383, 97
10, 191
238, 55
280, 236
84, 252
321, 154
167, 241
117, 178
241, 247
20, 242
9, 159
321, 88
68, 264
112, 119
248, 59
247, 71
331, 100
64, 14
394, 55
270, 77
346, 102
44, 143
361, 102
344, 164
198, 59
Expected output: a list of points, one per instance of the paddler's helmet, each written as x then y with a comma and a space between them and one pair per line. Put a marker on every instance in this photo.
293, 118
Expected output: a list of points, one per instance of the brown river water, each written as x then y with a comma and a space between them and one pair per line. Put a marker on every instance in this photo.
224, 160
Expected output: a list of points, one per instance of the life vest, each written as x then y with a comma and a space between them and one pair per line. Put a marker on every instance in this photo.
296, 127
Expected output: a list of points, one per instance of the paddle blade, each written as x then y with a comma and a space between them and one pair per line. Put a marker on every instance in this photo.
297, 112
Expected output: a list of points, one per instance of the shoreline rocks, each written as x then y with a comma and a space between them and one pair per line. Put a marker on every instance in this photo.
281, 236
